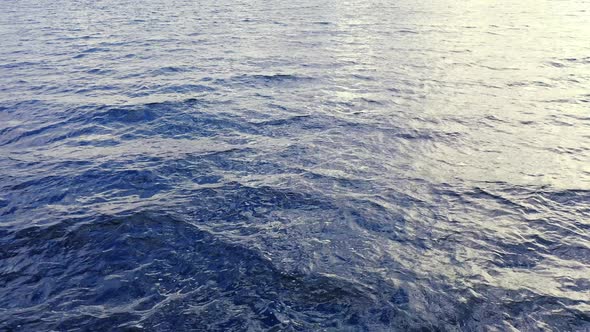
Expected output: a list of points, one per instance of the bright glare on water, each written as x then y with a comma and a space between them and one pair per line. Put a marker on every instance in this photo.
364, 165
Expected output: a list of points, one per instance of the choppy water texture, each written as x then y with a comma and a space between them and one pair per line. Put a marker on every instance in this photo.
311, 165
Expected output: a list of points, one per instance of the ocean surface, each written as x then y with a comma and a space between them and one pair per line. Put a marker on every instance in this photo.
361, 165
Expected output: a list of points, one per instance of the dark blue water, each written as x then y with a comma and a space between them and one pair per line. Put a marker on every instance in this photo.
364, 165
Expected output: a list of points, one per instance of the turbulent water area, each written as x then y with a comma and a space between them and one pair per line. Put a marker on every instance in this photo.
358, 165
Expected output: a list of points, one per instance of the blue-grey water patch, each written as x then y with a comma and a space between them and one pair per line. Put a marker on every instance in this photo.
362, 165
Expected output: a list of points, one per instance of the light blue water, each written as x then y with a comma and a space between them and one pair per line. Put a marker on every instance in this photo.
175, 165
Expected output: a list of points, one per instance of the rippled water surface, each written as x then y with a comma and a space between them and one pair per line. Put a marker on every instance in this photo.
364, 165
